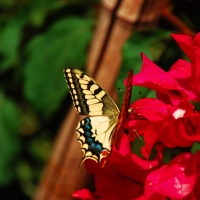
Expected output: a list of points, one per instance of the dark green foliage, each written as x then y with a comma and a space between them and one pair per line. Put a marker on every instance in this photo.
38, 39
9, 139
10, 35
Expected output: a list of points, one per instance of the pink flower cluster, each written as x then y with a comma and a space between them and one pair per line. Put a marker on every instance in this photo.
170, 120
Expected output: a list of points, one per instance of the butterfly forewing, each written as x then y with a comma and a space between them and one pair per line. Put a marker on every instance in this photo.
88, 97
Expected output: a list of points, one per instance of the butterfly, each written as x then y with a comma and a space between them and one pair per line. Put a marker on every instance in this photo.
102, 127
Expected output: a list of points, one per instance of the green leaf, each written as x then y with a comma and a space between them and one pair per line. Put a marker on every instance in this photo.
64, 45
40, 148
25, 173
7, 3
9, 138
40, 9
10, 36
195, 147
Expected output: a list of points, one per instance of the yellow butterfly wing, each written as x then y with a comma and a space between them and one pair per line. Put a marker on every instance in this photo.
95, 131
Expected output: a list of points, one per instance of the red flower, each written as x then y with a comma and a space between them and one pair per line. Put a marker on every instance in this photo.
123, 177
183, 77
172, 125
177, 180
181, 72
128, 177
192, 49
170, 84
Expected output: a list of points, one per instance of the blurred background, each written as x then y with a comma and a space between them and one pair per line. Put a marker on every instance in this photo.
38, 39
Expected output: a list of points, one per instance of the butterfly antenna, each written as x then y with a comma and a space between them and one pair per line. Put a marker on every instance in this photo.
137, 97
138, 136
132, 135
120, 89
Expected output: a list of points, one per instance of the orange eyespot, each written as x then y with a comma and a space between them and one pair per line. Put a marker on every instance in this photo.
105, 152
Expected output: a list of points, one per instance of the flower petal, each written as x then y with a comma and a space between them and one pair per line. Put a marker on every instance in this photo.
176, 180
153, 77
82, 194
186, 44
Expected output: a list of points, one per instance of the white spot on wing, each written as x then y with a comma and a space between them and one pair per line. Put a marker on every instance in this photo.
72, 86
84, 87
88, 154
96, 107
101, 94
93, 88
82, 138
81, 81
89, 96
87, 78
92, 101
86, 92
70, 80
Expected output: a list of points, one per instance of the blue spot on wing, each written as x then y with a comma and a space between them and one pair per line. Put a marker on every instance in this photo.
88, 134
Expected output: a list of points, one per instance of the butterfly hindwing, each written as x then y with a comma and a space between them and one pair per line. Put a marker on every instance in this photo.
88, 97
95, 135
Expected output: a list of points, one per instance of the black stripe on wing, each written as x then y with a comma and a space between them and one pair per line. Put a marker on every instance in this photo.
88, 97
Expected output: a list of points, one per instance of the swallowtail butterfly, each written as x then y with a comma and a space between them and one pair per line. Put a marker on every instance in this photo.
102, 126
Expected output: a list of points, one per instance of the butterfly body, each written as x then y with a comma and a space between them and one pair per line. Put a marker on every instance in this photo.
124, 113
100, 129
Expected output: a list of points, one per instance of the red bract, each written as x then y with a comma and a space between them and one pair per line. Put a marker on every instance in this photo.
181, 72
153, 77
172, 125
128, 177
123, 176
149, 108
192, 49
182, 132
175, 180
84, 194
183, 79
